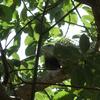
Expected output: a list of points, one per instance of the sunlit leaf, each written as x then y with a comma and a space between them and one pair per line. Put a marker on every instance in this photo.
87, 9
41, 96
15, 15
72, 18
28, 40
63, 95
87, 19
55, 32
8, 2
16, 56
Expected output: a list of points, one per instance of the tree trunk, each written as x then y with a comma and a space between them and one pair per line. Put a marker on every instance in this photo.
3, 95
95, 5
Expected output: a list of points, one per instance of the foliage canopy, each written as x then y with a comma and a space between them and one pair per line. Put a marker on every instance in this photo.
41, 22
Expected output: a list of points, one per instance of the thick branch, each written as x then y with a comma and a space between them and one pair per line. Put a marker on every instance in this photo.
3, 95
50, 76
96, 12
87, 2
53, 77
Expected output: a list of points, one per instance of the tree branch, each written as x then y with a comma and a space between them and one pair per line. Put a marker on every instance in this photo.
87, 2
34, 79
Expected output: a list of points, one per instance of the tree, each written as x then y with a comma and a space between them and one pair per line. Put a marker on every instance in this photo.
41, 22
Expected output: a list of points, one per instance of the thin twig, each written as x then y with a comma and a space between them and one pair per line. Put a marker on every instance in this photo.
63, 17
27, 8
77, 24
80, 17
72, 86
68, 27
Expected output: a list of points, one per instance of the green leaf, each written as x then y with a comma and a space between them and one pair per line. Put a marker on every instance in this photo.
60, 95
17, 2
36, 36
87, 19
16, 56
55, 32
30, 50
4, 34
33, 4
41, 96
72, 18
77, 36
8, 2
15, 15
17, 41
88, 9
24, 14
28, 40
84, 43
63, 95
1, 1
6, 24
11, 50
5, 13
45, 26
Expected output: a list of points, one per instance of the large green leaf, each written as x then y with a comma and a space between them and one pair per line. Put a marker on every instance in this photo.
15, 15
30, 50
8, 2
41, 96
45, 26
59, 10
16, 56
87, 9
87, 19
72, 18
28, 40
1, 1
23, 14
55, 32
63, 95
6, 13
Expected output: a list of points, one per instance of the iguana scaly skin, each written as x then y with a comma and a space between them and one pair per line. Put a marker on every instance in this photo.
65, 52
